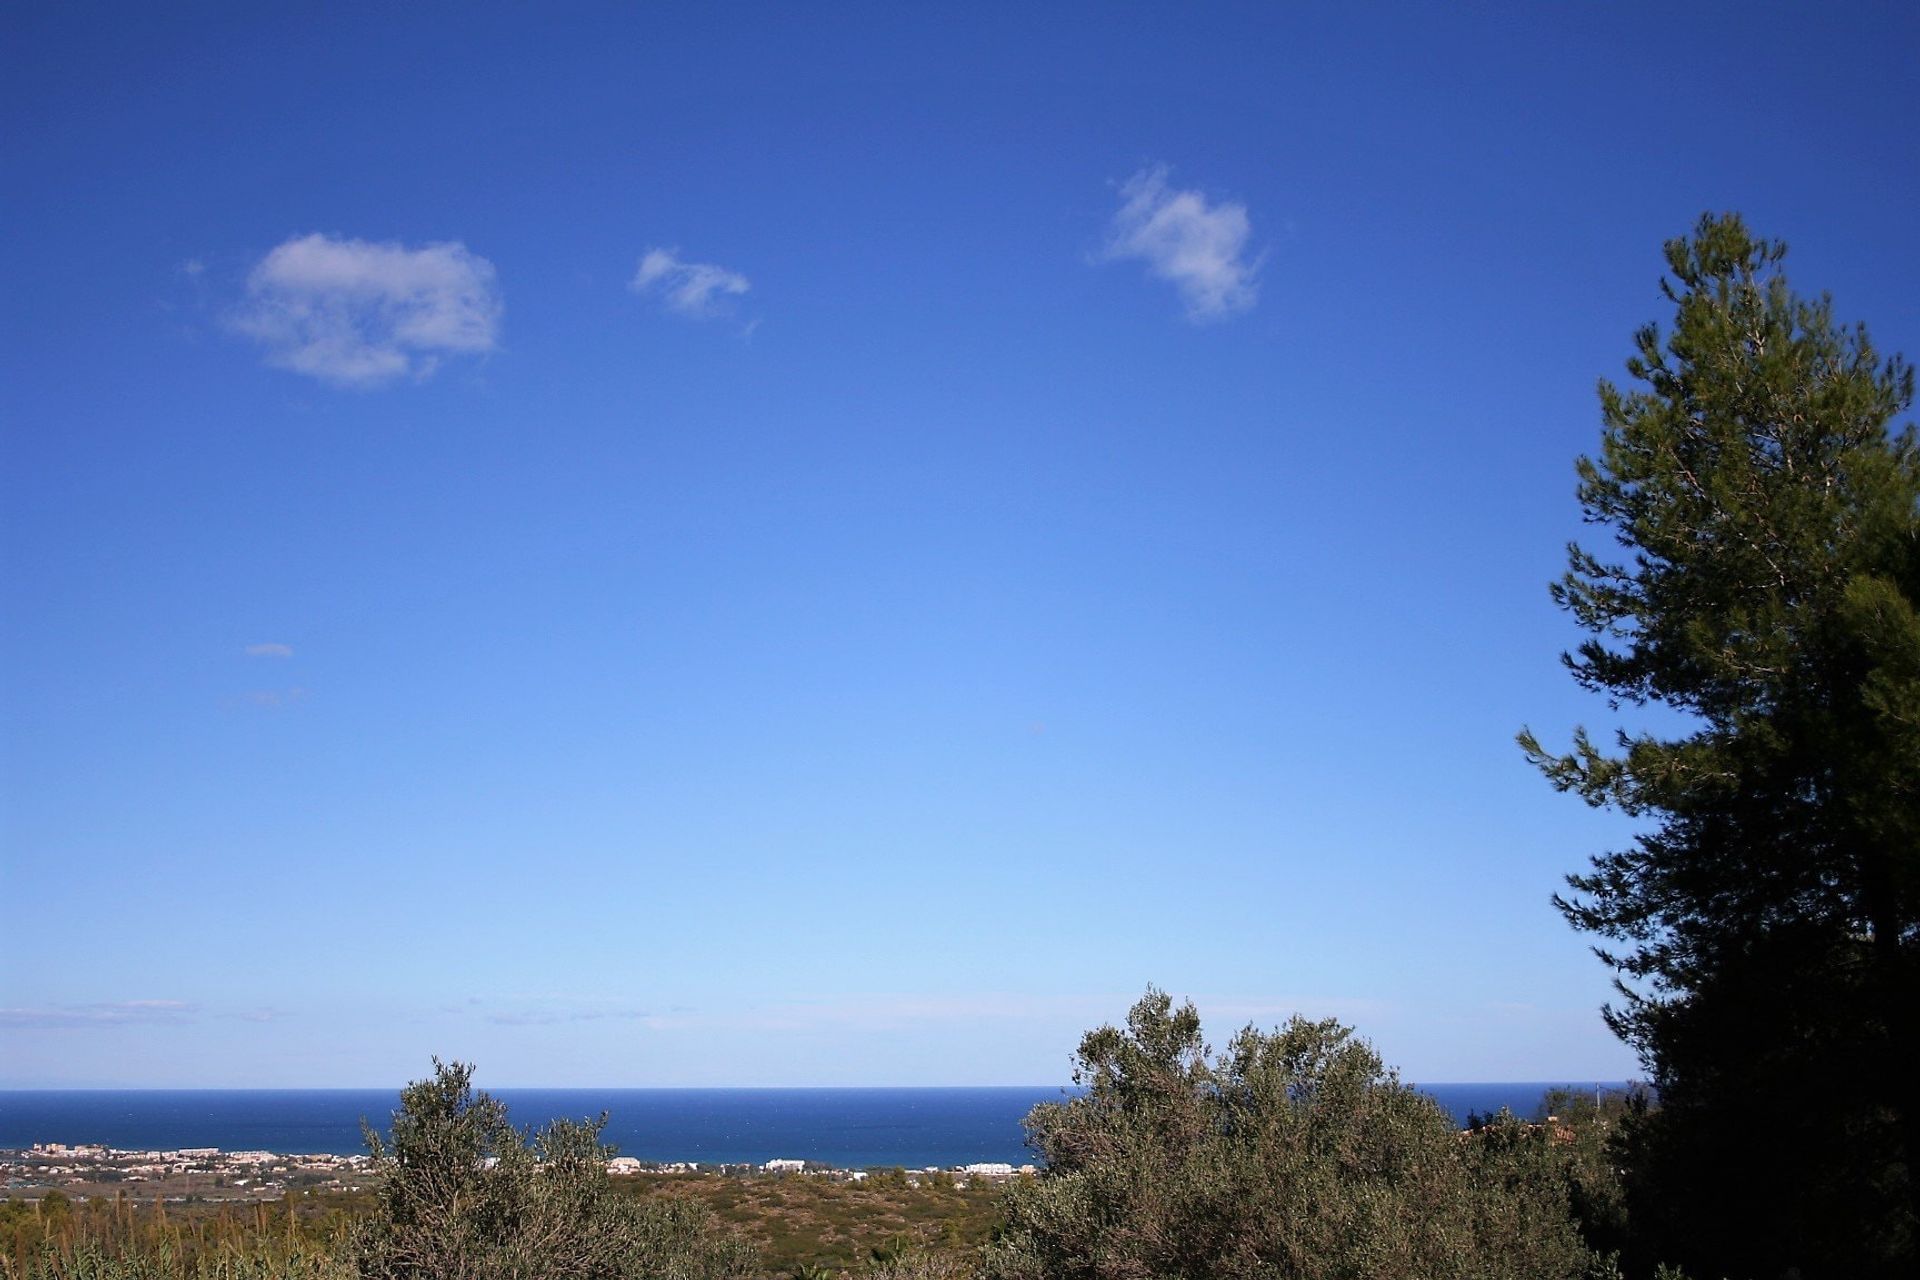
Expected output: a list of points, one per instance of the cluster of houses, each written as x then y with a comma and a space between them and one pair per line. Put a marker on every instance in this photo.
80, 1164
989, 1170
627, 1164
257, 1172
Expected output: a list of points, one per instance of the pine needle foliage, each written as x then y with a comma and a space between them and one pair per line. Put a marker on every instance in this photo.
1764, 508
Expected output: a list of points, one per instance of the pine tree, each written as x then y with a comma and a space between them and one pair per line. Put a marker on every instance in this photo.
1765, 923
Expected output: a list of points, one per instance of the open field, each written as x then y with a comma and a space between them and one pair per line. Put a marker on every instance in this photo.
798, 1221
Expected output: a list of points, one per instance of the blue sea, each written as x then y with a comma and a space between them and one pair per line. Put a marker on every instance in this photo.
848, 1128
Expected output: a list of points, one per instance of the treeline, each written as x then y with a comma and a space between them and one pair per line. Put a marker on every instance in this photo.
1294, 1153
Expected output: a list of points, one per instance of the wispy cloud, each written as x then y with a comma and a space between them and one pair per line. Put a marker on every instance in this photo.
269, 651
103, 1014
893, 1012
906, 1012
547, 1017
698, 289
274, 699
1199, 247
360, 314
546, 1010
262, 1014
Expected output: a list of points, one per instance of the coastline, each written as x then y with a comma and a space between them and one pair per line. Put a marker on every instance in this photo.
211, 1175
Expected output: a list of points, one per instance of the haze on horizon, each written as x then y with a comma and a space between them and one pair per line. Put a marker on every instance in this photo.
836, 545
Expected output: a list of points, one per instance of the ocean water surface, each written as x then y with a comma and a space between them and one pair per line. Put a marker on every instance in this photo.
848, 1128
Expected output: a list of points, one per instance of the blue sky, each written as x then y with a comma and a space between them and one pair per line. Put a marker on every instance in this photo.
835, 544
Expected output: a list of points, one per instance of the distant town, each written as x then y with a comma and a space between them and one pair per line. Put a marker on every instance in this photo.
209, 1174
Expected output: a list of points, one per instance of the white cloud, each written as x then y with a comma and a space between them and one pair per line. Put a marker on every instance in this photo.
269, 651
359, 314
1200, 248
697, 289
118, 1013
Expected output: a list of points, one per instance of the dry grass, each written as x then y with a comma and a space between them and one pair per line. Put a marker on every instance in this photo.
802, 1221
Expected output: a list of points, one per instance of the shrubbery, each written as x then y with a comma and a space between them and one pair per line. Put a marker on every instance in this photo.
466, 1196
1293, 1154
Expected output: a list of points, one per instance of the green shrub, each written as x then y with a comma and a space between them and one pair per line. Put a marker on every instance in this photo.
1293, 1154
466, 1196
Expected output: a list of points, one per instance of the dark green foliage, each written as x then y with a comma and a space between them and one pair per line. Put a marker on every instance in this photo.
1591, 1136
1766, 923
466, 1196
1293, 1154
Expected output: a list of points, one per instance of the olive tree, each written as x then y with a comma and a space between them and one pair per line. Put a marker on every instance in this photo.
464, 1195
1295, 1153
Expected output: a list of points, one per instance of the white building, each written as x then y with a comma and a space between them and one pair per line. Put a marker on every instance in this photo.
784, 1166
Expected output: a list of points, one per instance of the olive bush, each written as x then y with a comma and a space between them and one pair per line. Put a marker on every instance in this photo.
464, 1195
1293, 1154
